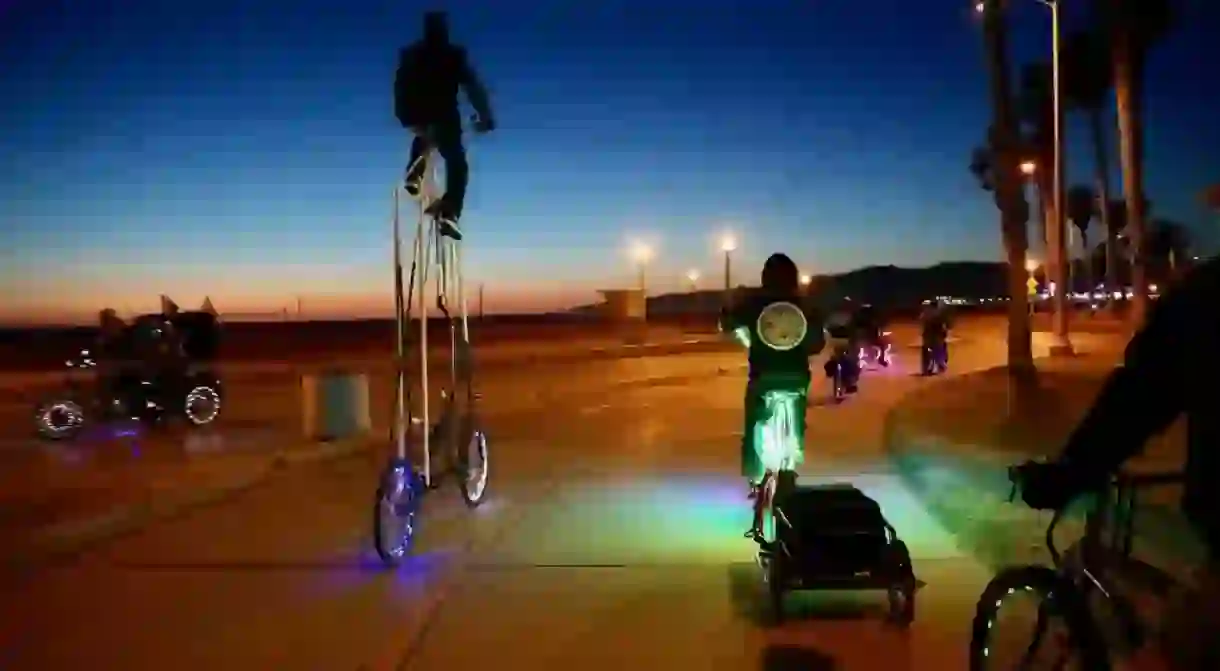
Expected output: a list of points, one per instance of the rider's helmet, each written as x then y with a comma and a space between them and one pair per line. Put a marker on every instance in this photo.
436, 27
780, 273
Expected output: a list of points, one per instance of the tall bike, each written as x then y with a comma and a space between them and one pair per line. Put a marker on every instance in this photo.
456, 431
1065, 592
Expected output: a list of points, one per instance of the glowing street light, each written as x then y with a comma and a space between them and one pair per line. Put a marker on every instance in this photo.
692, 276
641, 254
728, 244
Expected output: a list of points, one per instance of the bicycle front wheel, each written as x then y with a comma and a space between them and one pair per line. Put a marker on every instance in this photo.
1064, 634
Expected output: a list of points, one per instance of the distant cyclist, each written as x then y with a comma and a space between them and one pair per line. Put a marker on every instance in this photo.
842, 328
426, 84
782, 333
1171, 367
934, 323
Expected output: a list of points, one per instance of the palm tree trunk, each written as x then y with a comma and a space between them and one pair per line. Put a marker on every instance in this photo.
1101, 157
1127, 100
1014, 213
1086, 268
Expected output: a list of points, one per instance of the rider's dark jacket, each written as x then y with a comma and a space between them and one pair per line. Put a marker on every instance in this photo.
764, 360
1171, 367
427, 81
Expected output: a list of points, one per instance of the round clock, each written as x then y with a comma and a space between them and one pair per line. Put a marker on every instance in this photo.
782, 326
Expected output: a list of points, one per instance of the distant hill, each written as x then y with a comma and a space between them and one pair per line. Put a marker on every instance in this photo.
888, 287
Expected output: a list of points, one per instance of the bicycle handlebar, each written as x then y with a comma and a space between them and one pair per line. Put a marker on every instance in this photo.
1014, 478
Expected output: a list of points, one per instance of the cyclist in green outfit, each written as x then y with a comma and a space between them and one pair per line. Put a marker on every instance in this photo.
781, 333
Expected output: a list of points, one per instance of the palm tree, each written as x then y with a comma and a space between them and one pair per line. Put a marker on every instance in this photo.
1035, 109
1119, 267
1002, 150
1087, 80
1081, 208
1168, 249
1132, 28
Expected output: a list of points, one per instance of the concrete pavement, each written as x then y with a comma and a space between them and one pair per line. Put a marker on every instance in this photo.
612, 538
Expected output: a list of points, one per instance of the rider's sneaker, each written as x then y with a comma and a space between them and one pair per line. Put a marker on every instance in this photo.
413, 183
445, 220
413, 186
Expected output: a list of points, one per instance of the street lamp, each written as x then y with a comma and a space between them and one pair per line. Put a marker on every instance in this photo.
1057, 235
728, 244
692, 276
641, 254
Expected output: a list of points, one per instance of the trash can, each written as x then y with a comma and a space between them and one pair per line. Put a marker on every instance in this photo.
335, 405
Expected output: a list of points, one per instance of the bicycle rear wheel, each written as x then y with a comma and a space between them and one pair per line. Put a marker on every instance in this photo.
473, 470
1058, 602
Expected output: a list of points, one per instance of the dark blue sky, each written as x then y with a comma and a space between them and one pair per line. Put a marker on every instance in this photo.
247, 149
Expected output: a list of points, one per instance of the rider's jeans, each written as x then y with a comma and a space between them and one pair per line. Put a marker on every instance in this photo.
757, 414
447, 138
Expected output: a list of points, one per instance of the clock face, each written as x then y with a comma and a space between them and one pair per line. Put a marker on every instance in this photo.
782, 326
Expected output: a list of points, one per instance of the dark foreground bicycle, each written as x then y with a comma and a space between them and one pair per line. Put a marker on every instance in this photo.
1066, 592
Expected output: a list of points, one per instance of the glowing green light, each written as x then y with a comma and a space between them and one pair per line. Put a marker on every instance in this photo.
777, 437
742, 333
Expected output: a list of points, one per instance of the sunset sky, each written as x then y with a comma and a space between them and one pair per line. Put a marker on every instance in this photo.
247, 150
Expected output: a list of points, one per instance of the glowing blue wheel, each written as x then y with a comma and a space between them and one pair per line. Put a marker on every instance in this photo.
396, 512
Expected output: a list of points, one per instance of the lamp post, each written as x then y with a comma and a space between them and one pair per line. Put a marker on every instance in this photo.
692, 276
1056, 236
641, 254
728, 244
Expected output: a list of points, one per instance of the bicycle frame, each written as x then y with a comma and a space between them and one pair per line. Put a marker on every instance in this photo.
448, 259
778, 434
1080, 565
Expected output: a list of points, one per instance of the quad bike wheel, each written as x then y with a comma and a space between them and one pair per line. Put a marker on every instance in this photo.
201, 405
61, 419
901, 592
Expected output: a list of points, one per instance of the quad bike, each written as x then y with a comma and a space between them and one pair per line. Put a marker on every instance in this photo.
192, 392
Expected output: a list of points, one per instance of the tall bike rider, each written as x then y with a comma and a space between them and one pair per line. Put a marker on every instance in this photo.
426, 84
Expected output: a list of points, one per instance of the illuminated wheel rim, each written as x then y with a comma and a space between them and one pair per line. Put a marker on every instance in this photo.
396, 510
60, 419
202, 405
1061, 636
476, 476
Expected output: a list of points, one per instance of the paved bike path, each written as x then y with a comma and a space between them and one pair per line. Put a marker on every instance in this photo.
612, 539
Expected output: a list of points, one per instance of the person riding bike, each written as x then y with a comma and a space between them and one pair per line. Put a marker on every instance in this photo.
1170, 368
118, 369
870, 330
844, 334
782, 333
426, 84
934, 326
